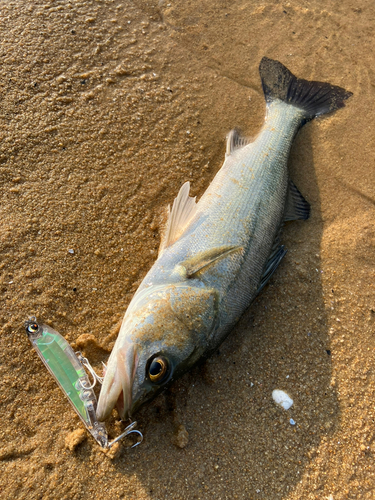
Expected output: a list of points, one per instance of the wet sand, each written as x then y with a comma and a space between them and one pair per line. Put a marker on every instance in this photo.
106, 109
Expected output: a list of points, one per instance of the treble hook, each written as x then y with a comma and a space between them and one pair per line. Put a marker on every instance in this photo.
85, 362
129, 430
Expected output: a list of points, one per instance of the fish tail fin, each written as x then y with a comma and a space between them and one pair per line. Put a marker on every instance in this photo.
314, 98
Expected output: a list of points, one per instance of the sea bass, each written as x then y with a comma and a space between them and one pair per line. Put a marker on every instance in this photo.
216, 255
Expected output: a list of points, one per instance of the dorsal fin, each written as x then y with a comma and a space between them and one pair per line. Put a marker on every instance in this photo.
235, 141
183, 210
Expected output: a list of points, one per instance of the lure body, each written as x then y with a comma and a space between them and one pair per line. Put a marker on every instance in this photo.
67, 368
63, 364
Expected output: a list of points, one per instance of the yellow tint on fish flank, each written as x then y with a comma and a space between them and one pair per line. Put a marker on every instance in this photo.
165, 326
176, 316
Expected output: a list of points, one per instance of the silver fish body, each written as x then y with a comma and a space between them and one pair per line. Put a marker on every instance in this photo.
242, 208
218, 253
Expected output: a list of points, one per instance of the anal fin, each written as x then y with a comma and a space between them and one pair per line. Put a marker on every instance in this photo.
297, 208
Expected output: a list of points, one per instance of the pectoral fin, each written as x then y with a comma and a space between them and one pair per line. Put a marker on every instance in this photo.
204, 259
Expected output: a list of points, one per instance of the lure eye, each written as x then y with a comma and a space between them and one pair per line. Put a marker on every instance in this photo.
33, 328
158, 369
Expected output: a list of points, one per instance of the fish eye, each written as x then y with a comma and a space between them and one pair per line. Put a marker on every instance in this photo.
158, 369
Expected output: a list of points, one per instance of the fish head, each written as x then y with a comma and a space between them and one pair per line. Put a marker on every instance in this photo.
158, 342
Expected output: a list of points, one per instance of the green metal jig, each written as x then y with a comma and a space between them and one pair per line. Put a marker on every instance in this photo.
67, 367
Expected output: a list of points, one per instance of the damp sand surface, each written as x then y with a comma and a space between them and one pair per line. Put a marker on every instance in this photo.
108, 107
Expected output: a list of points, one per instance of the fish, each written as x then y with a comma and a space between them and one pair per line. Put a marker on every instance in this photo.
216, 254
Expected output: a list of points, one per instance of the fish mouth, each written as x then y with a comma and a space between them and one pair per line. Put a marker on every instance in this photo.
118, 383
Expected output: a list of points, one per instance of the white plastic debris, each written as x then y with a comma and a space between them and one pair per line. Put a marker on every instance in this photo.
292, 422
282, 398
71, 251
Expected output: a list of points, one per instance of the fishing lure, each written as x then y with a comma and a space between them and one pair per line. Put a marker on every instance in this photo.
68, 369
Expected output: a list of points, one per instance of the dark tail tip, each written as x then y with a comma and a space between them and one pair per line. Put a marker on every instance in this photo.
315, 98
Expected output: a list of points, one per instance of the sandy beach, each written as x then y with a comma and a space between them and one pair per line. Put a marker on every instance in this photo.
107, 108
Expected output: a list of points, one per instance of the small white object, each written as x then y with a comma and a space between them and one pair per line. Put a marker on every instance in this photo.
71, 251
287, 376
282, 398
292, 422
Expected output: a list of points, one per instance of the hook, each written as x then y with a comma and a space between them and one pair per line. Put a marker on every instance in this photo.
85, 362
129, 430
